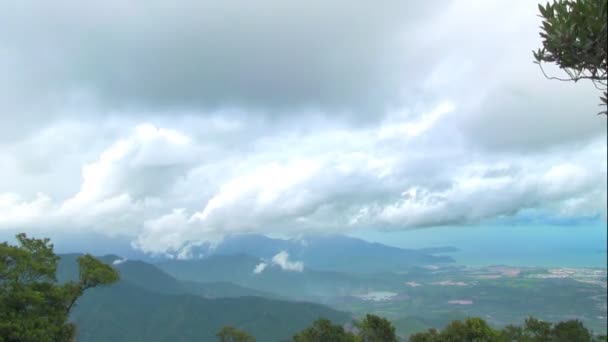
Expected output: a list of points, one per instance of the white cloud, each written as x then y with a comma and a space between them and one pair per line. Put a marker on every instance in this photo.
166, 233
413, 129
281, 259
15, 211
137, 166
259, 268
119, 261
270, 191
474, 195
116, 189
326, 180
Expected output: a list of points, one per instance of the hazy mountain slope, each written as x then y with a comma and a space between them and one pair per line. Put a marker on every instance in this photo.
346, 254
307, 284
322, 252
150, 277
150, 305
223, 289
126, 313
233, 268
329, 252
413, 324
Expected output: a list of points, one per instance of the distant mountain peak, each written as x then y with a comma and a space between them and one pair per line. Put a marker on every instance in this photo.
328, 252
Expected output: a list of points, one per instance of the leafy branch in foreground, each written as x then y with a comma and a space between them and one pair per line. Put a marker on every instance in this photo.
33, 306
574, 37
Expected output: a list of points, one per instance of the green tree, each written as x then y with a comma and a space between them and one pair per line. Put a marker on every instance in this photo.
471, 330
323, 330
574, 37
537, 330
512, 333
232, 334
431, 335
570, 331
33, 306
534, 330
376, 329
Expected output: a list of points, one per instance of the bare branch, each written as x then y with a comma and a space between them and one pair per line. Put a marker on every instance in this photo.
595, 79
552, 77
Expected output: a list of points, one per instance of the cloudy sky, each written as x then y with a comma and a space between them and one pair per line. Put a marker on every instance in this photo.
188, 120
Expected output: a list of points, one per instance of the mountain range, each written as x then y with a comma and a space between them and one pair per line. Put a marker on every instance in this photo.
267, 286
259, 284
149, 305
327, 252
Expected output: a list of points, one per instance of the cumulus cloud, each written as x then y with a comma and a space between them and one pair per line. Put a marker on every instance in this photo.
293, 184
472, 197
124, 182
141, 166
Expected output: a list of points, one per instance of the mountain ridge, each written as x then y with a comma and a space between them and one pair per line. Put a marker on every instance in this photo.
327, 252
148, 304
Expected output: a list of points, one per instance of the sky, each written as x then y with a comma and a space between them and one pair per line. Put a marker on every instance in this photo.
173, 122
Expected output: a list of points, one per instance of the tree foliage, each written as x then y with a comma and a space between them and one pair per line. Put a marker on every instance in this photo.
323, 330
232, 334
537, 330
376, 329
33, 306
471, 330
534, 330
570, 331
574, 37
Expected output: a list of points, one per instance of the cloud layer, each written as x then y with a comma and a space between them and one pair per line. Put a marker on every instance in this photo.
318, 118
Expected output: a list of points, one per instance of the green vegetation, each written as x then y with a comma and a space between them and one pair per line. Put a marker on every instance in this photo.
127, 313
574, 34
33, 306
38, 290
323, 330
500, 300
371, 329
376, 329
232, 334
474, 329
150, 305
534, 330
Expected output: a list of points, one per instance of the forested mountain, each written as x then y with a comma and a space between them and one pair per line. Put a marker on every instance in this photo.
150, 305
127, 313
240, 269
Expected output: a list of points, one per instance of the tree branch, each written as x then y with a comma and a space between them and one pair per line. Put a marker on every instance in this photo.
596, 79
